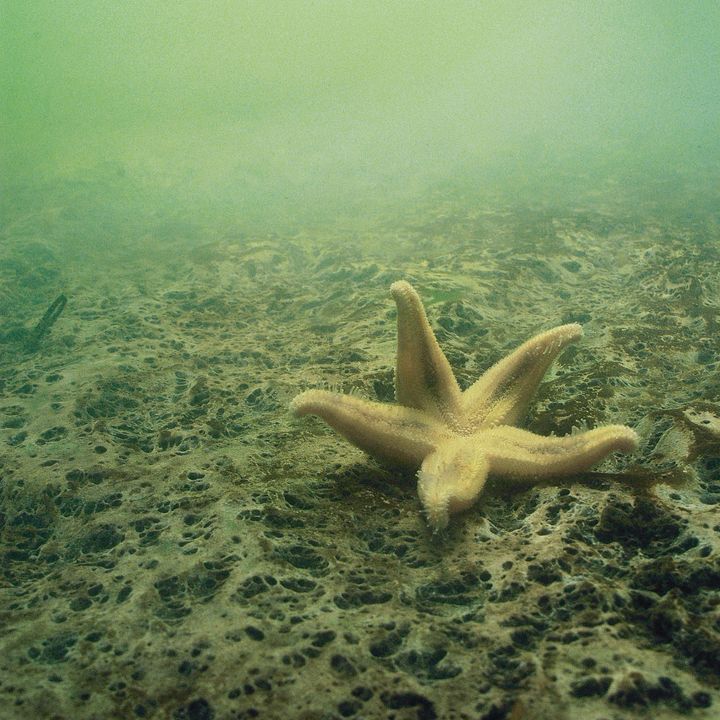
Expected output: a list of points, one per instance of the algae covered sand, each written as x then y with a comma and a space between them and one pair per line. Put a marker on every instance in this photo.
175, 545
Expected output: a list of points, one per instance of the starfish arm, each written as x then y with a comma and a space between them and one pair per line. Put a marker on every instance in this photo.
502, 395
423, 377
451, 479
388, 432
513, 452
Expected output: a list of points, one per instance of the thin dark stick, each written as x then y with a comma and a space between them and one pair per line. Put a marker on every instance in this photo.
47, 321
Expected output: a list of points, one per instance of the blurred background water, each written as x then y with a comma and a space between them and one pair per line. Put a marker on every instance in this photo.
203, 204
283, 114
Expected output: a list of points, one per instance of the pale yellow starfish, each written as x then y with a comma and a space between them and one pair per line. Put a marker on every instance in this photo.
457, 438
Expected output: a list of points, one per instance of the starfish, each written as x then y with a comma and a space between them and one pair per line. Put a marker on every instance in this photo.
457, 438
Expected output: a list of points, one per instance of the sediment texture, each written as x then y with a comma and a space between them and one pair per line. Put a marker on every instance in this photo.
174, 544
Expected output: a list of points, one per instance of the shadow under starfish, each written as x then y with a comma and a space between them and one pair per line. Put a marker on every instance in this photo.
457, 438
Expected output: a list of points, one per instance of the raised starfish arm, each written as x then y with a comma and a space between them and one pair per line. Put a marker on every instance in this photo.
389, 432
512, 452
502, 395
423, 377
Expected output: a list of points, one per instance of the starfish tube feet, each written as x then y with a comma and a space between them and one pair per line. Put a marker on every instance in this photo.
451, 479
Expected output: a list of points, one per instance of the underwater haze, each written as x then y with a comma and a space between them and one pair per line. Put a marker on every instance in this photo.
203, 209
283, 109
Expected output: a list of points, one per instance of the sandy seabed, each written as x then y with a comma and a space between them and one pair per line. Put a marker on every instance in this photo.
175, 545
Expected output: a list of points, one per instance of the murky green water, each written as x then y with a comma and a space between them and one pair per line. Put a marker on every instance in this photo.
202, 208
286, 110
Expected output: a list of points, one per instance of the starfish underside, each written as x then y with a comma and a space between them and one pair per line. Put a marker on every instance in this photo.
457, 438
